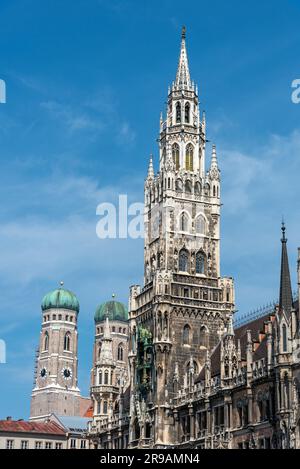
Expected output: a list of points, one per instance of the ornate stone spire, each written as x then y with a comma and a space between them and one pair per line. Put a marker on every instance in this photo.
183, 79
150, 168
214, 159
285, 293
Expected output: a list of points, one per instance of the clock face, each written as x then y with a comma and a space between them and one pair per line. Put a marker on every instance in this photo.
43, 373
67, 373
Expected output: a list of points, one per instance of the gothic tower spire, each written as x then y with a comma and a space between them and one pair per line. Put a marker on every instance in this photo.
183, 78
285, 293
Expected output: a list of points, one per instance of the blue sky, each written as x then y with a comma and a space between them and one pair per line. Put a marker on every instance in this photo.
86, 82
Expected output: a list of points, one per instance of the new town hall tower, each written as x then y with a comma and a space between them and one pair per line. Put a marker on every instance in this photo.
185, 306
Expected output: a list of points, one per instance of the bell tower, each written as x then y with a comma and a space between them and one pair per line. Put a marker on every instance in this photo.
55, 382
185, 305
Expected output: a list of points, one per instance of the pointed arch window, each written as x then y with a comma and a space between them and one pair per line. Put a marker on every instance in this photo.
46, 341
106, 377
203, 336
178, 185
183, 260
187, 113
67, 341
186, 334
184, 222
284, 338
200, 224
178, 113
188, 187
175, 155
100, 377
189, 154
120, 353
197, 188
105, 407
200, 263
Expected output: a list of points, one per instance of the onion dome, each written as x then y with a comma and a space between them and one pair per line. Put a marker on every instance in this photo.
61, 299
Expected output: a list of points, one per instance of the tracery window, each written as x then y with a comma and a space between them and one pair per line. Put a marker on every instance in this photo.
200, 263
183, 260
189, 152
175, 155
186, 334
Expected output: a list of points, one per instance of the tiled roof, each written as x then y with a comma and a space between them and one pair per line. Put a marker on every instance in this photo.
21, 426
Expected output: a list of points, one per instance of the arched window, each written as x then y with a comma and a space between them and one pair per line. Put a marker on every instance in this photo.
178, 185
188, 187
189, 157
67, 341
200, 263
120, 352
175, 155
105, 407
106, 377
100, 377
46, 341
200, 224
186, 334
178, 113
197, 188
183, 260
284, 338
203, 336
184, 222
187, 113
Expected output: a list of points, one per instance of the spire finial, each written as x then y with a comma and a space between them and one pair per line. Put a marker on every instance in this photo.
214, 159
113, 295
150, 168
61, 283
183, 79
285, 292
283, 239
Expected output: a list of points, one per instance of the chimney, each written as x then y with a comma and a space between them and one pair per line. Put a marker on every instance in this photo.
9, 418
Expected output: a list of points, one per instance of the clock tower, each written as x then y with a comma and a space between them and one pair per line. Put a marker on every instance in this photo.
177, 318
55, 382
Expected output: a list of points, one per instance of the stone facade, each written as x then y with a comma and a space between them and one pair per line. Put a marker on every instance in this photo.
195, 380
55, 382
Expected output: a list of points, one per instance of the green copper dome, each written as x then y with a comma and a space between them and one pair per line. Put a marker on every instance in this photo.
60, 298
114, 310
